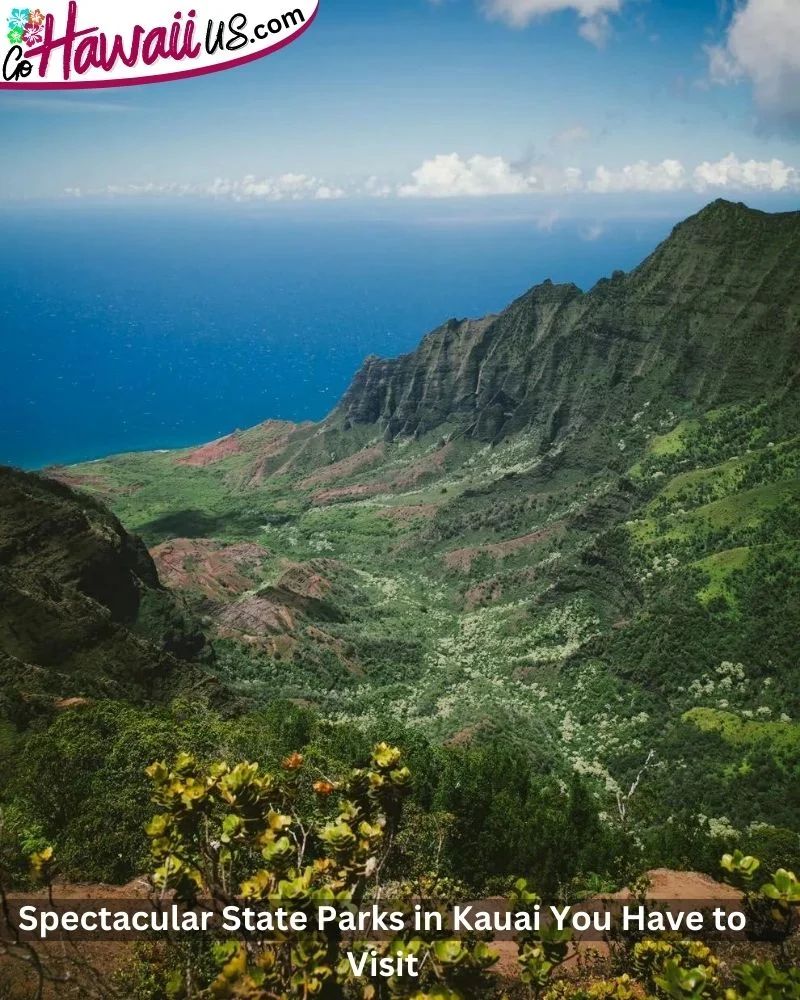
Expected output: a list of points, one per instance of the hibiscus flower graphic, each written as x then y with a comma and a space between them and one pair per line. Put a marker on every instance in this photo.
19, 18
15, 36
36, 17
33, 34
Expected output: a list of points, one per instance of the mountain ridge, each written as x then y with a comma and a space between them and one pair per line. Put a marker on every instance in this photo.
499, 374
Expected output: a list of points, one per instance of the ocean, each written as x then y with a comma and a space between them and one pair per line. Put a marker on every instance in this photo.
126, 327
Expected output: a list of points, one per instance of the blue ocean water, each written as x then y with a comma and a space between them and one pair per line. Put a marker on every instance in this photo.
126, 328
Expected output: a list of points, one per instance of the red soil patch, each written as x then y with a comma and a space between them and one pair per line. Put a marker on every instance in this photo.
484, 593
65, 704
462, 559
62, 475
667, 884
463, 737
342, 493
254, 617
219, 572
429, 465
88, 480
279, 434
303, 579
412, 513
213, 452
337, 647
340, 470
105, 957
281, 647
74, 970
275, 610
488, 591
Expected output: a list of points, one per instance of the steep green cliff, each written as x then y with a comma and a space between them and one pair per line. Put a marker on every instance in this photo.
81, 607
709, 318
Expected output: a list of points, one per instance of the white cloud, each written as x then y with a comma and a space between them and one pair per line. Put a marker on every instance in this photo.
448, 176
595, 25
596, 30
142, 190
762, 45
451, 176
669, 175
731, 172
325, 193
285, 187
722, 68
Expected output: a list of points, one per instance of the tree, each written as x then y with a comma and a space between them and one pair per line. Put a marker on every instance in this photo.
296, 840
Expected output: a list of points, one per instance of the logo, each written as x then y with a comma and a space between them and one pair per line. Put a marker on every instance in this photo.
93, 43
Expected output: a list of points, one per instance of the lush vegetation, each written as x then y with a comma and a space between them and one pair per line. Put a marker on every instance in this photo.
497, 816
301, 835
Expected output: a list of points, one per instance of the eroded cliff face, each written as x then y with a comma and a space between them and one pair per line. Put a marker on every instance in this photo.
711, 317
81, 607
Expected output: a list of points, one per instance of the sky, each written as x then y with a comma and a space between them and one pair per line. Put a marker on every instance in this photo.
400, 101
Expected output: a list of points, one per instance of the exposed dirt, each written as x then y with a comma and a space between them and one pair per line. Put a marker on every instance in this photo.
254, 617
276, 609
462, 559
486, 592
464, 736
346, 467
289, 614
410, 513
87, 480
73, 970
342, 493
668, 884
493, 589
306, 580
65, 704
428, 465
278, 435
76, 479
337, 646
200, 564
213, 452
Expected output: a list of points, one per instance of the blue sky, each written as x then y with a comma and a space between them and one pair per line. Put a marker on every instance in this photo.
552, 99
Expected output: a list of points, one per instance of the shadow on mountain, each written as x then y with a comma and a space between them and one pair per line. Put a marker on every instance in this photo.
199, 524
